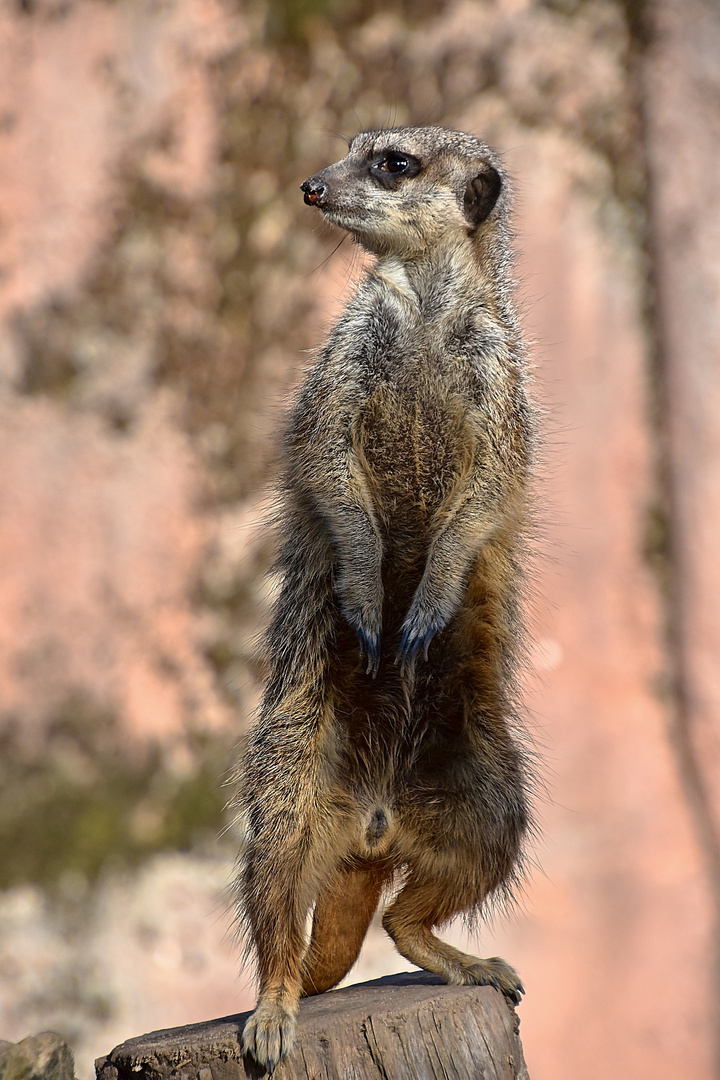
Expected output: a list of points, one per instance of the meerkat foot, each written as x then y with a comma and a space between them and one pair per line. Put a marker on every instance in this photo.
269, 1034
491, 972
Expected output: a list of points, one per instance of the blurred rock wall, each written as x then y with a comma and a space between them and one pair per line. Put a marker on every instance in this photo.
160, 282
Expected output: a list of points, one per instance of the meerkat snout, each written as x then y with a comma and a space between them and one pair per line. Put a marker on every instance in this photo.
314, 191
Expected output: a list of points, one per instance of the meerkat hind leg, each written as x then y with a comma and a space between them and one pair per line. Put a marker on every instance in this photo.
278, 898
269, 1034
424, 903
343, 913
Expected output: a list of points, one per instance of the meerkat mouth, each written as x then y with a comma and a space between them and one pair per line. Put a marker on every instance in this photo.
346, 219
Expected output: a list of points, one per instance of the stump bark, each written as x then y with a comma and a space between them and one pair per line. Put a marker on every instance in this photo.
403, 1027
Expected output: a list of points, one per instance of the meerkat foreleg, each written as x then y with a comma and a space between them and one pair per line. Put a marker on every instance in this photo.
441, 587
342, 496
359, 579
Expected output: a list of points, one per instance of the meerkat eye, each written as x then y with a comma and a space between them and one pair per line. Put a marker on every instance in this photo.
394, 166
395, 163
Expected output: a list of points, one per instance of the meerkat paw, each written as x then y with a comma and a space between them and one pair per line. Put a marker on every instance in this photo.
269, 1034
491, 972
361, 602
418, 630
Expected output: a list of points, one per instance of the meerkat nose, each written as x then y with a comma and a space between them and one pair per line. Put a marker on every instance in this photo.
314, 190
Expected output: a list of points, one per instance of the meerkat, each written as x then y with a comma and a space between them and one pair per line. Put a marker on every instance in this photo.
388, 757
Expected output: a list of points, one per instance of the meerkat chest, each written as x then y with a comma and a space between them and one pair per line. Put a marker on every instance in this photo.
417, 443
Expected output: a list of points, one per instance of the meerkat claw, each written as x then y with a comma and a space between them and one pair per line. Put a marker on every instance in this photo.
269, 1035
370, 648
411, 645
401, 656
407, 653
426, 641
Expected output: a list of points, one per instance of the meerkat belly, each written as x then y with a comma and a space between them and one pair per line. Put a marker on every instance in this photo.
417, 448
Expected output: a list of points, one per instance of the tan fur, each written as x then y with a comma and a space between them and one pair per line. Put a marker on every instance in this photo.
388, 749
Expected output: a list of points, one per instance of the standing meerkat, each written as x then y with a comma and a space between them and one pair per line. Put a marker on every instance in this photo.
388, 750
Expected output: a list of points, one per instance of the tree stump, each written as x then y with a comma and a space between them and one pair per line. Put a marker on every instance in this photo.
403, 1027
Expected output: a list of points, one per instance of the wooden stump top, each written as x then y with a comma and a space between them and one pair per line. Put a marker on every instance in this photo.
403, 1027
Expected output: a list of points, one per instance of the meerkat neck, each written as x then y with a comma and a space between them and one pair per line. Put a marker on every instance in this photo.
439, 281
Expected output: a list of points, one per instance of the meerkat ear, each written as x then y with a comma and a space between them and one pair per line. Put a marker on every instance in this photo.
481, 194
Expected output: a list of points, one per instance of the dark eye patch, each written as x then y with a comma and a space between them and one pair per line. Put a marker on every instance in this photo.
392, 166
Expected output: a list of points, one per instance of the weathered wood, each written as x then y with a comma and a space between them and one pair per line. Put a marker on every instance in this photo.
403, 1027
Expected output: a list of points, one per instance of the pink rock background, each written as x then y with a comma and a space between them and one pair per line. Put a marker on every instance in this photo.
159, 281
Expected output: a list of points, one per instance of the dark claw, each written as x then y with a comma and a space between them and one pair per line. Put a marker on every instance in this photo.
426, 641
408, 650
410, 647
401, 656
370, 647
373, 654
270, 1066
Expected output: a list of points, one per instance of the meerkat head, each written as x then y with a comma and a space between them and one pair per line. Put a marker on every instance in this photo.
404, 191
